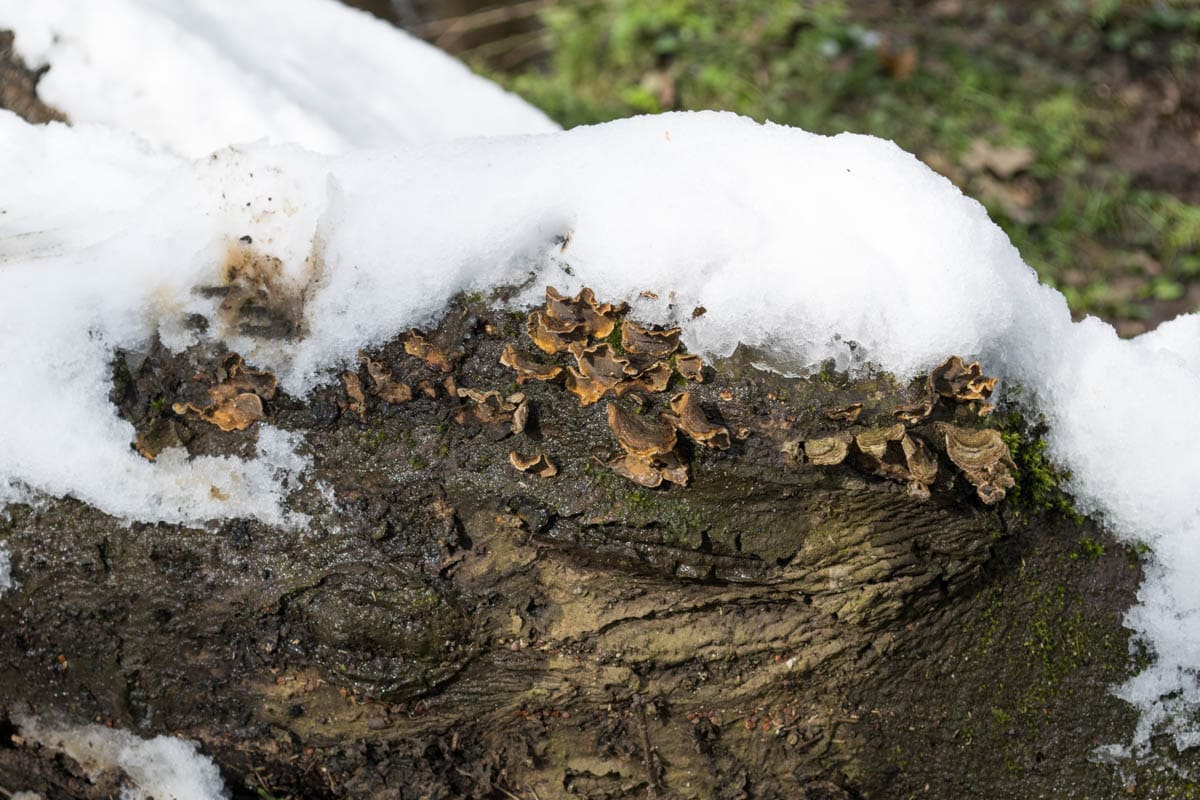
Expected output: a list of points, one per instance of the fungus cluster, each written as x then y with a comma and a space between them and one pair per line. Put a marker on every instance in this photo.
898, 453
231, 398
641, 361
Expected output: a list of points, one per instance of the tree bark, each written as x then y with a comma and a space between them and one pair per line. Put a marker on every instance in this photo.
447, 626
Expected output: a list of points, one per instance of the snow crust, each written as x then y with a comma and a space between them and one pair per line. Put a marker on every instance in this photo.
162, 768
193, 76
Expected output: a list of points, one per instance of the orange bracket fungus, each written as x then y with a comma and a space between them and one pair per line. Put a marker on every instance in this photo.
416, 345
690, 420
387, 388
539, 465
526, 368
234, 402
649, 340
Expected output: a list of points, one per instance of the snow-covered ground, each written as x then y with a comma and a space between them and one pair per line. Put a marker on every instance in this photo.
812, 247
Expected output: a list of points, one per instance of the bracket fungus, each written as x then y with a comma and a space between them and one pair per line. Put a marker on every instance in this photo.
649, 446
848, 413
234, 401
356, 401
827, 451
690, 367
554, 335
539, 465
596, 320
952, 380
649, 340
526, 368
387, 388
983, 457
690, 420
416, 345
493, 409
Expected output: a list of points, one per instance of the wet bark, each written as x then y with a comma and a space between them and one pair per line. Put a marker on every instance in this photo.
447, 626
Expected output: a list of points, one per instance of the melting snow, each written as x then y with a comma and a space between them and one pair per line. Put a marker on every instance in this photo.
162, 768
811, 247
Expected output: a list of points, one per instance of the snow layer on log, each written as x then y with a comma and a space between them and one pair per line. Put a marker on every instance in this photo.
811, 247
192, 76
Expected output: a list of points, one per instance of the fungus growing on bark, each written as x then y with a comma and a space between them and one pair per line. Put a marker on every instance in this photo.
690, 367
649, 340
953, 380
962, 382
874, 442
828, 450
601, 369
596, 320
526, 368
639, 435
493, 409
690, 420
356, 401
983, 457
417, 345
234, 402
649, 445
553, 335
539, 465
387, 388
652, 379
848, 413
922, 465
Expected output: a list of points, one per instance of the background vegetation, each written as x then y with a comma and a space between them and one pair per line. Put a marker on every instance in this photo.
1076, 122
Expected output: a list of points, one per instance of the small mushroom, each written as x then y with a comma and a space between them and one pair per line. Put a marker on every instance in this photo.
690, 367
539, 465
638, 435
597, 320
651, 340
983, 457
828, 450
848, 413
526, 368
417, 345
690, 419
387, 388
553, 335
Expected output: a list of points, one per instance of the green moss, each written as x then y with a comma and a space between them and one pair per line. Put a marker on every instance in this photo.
1087, 550
1039, 481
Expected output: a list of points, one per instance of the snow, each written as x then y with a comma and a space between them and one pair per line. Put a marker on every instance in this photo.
808, 247
193, 76
6, 578
162, 768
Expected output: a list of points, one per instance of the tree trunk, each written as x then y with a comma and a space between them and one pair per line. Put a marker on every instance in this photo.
448, 626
